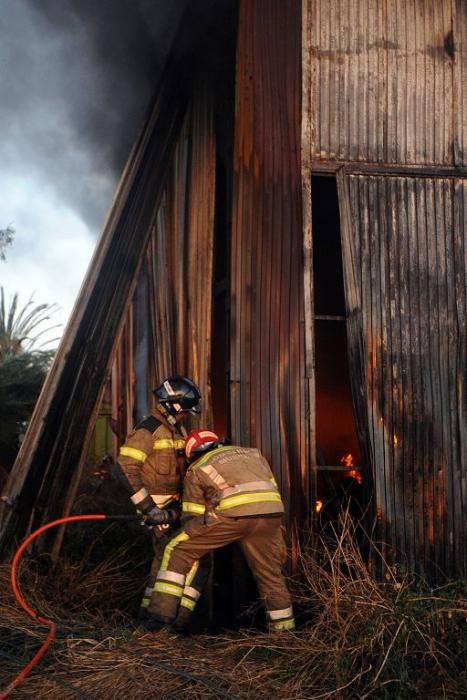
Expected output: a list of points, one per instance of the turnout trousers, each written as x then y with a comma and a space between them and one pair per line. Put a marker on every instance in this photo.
197, 577
262, 542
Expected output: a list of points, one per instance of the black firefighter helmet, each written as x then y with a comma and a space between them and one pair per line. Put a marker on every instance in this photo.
178, 395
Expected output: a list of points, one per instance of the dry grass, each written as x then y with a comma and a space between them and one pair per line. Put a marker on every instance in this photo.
358, 638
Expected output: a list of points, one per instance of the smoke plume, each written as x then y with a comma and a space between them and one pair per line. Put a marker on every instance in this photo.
75, 81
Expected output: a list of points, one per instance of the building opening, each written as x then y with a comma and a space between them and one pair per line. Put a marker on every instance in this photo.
339, 467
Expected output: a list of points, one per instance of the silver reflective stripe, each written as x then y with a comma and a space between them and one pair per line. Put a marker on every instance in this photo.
249, 486
171, 576
147, 592
139, 496
168, 388
192, 592
280, 614
214, 475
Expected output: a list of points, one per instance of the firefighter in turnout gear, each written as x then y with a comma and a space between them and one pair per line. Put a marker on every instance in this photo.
229, 495
153, 462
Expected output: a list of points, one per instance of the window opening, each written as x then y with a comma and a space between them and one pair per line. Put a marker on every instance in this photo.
339, 469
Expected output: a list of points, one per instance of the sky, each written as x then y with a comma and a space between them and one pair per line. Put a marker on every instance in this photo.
76, 77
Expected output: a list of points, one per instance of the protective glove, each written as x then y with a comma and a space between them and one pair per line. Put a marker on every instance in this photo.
174, 516
160, 516
156, 516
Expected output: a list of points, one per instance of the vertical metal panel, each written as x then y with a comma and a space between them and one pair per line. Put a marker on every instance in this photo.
141, 346
308, 273
176, 276
268, 397
405, 272
183, 311
123, 382
459, 44
384, 81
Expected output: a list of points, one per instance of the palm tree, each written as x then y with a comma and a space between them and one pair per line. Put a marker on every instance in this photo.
6, 239
24, 362
21, 329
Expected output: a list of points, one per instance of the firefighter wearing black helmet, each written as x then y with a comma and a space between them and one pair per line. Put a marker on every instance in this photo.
152, 460
229, 495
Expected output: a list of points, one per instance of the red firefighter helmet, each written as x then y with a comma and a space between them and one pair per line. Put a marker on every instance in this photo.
200, 441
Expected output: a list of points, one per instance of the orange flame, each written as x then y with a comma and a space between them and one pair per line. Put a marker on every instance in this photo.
355, 474
347, 460
318, 506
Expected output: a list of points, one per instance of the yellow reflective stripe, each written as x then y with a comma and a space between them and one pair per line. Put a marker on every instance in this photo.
168, 444
282, 625
188, 603
244, 499
189, 507
170, 547
205, 458
169, 588
145, 603
192, 574
127, 451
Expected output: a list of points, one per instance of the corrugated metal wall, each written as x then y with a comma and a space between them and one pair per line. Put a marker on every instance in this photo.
460, 84
383, 85
172, 303
268, 394
405, 266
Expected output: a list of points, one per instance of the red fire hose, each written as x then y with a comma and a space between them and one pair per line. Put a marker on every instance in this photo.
19, 596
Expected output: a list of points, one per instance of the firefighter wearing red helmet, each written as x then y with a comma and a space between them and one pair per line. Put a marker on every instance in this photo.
153, 462
229, 495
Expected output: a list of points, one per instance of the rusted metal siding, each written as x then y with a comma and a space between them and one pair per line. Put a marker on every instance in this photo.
405, 264
173, 295
53, 452
387, 80
123, 381
460, 84
268, 383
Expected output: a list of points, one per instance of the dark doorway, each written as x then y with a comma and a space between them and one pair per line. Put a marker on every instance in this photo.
338, 453
222, 58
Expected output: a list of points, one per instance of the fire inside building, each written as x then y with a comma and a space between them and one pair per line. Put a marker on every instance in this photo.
289, 231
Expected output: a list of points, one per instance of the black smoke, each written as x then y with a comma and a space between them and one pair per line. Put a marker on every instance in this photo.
76, 77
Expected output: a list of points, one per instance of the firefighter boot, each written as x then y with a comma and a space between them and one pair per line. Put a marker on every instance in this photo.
155, 623
182, 623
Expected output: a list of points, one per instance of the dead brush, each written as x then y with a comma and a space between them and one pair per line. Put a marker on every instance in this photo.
358, 637
392, 638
